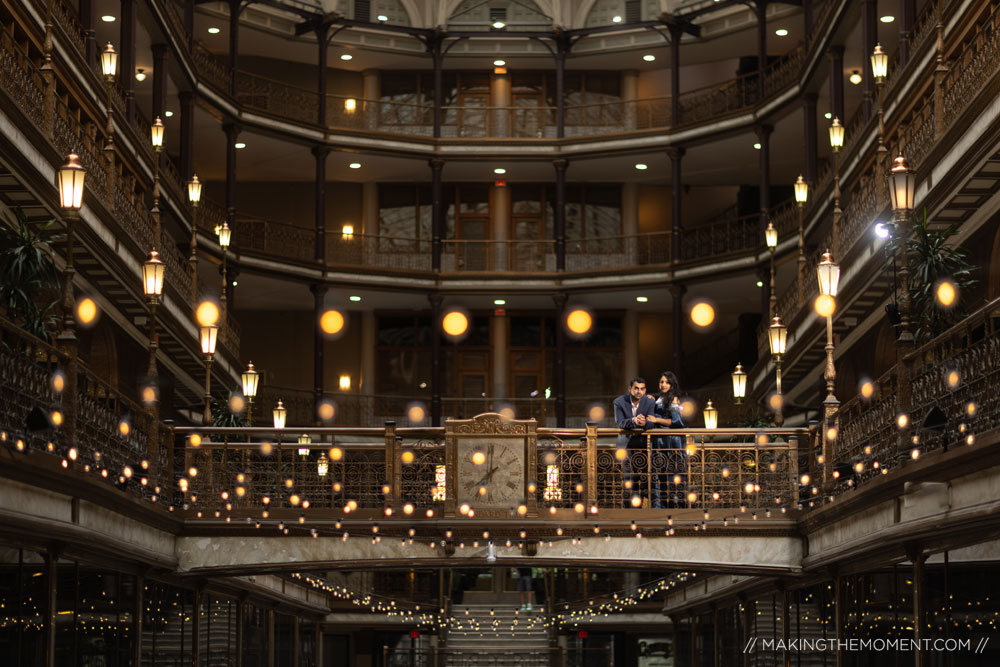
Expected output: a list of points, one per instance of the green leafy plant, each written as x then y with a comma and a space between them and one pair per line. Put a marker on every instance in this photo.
29, 281
931, 260
221, 414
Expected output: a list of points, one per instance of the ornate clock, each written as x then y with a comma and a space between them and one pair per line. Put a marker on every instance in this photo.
490, 453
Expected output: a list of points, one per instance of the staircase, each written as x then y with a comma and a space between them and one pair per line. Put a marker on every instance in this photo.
496, 635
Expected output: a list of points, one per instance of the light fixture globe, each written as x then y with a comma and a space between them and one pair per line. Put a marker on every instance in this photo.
322, 465
739, 383
828, 273
304, 439
250, 378
156, 133
777, 335
711, 415
801, 190
209, 336
771, 235
279, 412
225, 236
880, 63
69, 180
836, 135
152, 275
902, 184
109, 62
194, 190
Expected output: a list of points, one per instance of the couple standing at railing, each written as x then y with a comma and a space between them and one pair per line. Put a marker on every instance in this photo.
663, 459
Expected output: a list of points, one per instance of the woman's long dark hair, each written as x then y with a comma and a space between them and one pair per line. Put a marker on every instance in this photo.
675, 387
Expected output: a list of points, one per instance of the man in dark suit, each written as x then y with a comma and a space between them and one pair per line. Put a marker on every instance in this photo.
631, 409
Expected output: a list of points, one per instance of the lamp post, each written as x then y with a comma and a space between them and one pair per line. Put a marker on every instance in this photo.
828, 273
194, 196
156, 137
771, 238
109, 68
777, 335
279, 414
836, 143
69, 181
801, 197
880, 67
250, 378
152, 287
902, 187
209, 337
225, 236
711, 415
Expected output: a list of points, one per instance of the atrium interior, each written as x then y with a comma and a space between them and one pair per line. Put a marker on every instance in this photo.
499, 333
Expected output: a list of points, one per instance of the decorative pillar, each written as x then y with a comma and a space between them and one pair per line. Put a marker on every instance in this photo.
869, 37
500, 345
137, 610
560, 214
920, 633
187, 134
241, 604
504, 251
501, 101
559, 381
676, 203
317, 641
319, 340
807, 21
907, 14
675, 74
748, 614
811, 137
836, 56
50, 604
435, 300
630, 221
321, 42
764, 137
87, 21
630, 345
189, 21
716, 637
232, 131
319, 251
199, 594
160, 52
368, 335
126, 56
234, 43
371, 85
437, 58
630, 93
677, 291
761, 10
270, 637
562, 48
369, 208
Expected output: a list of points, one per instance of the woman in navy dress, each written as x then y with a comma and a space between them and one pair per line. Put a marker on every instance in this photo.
667, 414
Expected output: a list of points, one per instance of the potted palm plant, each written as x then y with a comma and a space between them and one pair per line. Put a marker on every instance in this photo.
29, 281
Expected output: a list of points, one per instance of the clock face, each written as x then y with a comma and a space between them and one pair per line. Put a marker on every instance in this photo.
501, 474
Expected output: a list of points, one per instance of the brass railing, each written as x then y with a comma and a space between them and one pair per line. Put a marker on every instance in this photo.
242, 470
96, 430
954, 380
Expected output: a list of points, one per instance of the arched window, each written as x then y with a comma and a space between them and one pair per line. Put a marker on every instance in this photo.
607, 12
513, 14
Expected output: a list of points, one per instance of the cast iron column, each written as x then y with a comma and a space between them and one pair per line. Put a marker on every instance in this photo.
836, 55
560, 214
675, 74
234, 43
437, 214
87, 15
811, 137
562, 47
559, 381
677, 291
187, 134
907, 14
437, 59
126, 56
320, 152
321, 37
435, 359
319, 295
869, 37
676, 201
807, 21
160, 52
761, 9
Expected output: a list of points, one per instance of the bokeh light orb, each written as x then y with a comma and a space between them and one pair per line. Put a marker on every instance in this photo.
58, 381
326, 410
331, 322
86, 311
266, 448
579, 321
867, 389
416, 413
455, 323
407, 456
825, 305
479, 458
953, 379
207, 313
946, 293
776, 401
597, 413
195, 440
507, 413
336, 453
621, 454
237, 403
702, 314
